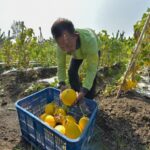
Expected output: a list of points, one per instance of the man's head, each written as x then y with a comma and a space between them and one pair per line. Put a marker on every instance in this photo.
63, 32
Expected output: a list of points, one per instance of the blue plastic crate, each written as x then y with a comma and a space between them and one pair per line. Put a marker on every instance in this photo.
44, 137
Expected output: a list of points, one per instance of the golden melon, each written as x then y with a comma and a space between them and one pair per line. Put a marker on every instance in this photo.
68, 97
73, 130
68, 118
60, 128
42, 117
59, 114
83, 122
50, 120
50, 108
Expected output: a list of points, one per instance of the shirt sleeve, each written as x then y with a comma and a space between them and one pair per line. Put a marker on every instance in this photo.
92, 63
91, 50
61, 63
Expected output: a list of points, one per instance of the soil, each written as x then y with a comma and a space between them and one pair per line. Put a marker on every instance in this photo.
122, 124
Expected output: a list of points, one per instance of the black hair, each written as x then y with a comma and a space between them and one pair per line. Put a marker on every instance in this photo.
61, 25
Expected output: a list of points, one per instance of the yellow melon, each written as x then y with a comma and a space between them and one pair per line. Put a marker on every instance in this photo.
83, 122
60, 128
50, 120
68, 118
60, 111
73, 130
68, 97
59, 114
42, 117
50, 108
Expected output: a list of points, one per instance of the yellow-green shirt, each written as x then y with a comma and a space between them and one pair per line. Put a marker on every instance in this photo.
88, 51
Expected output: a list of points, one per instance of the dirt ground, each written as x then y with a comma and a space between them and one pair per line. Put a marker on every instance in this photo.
123, 124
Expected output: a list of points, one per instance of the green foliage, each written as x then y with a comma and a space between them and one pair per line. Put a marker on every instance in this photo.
55, 83
109, 90
23, 47
26, 49
34, 88
45, 53
145, 48
2, 37
39, 86
140, 24
114, 49
7, 53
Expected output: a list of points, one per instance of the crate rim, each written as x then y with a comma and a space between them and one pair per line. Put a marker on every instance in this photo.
65, 138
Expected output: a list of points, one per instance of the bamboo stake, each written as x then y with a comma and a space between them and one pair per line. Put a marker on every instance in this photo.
135, 54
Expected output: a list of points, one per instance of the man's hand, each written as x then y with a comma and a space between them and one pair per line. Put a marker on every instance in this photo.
80, 97
81, 103
63, 87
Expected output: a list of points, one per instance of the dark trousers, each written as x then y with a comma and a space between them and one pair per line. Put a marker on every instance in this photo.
75, 80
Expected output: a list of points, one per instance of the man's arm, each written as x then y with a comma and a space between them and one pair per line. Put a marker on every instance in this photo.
61, 63
92, 64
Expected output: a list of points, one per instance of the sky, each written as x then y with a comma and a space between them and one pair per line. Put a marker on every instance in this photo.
111, 15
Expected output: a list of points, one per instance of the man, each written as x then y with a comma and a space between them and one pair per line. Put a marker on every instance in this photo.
82, 44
